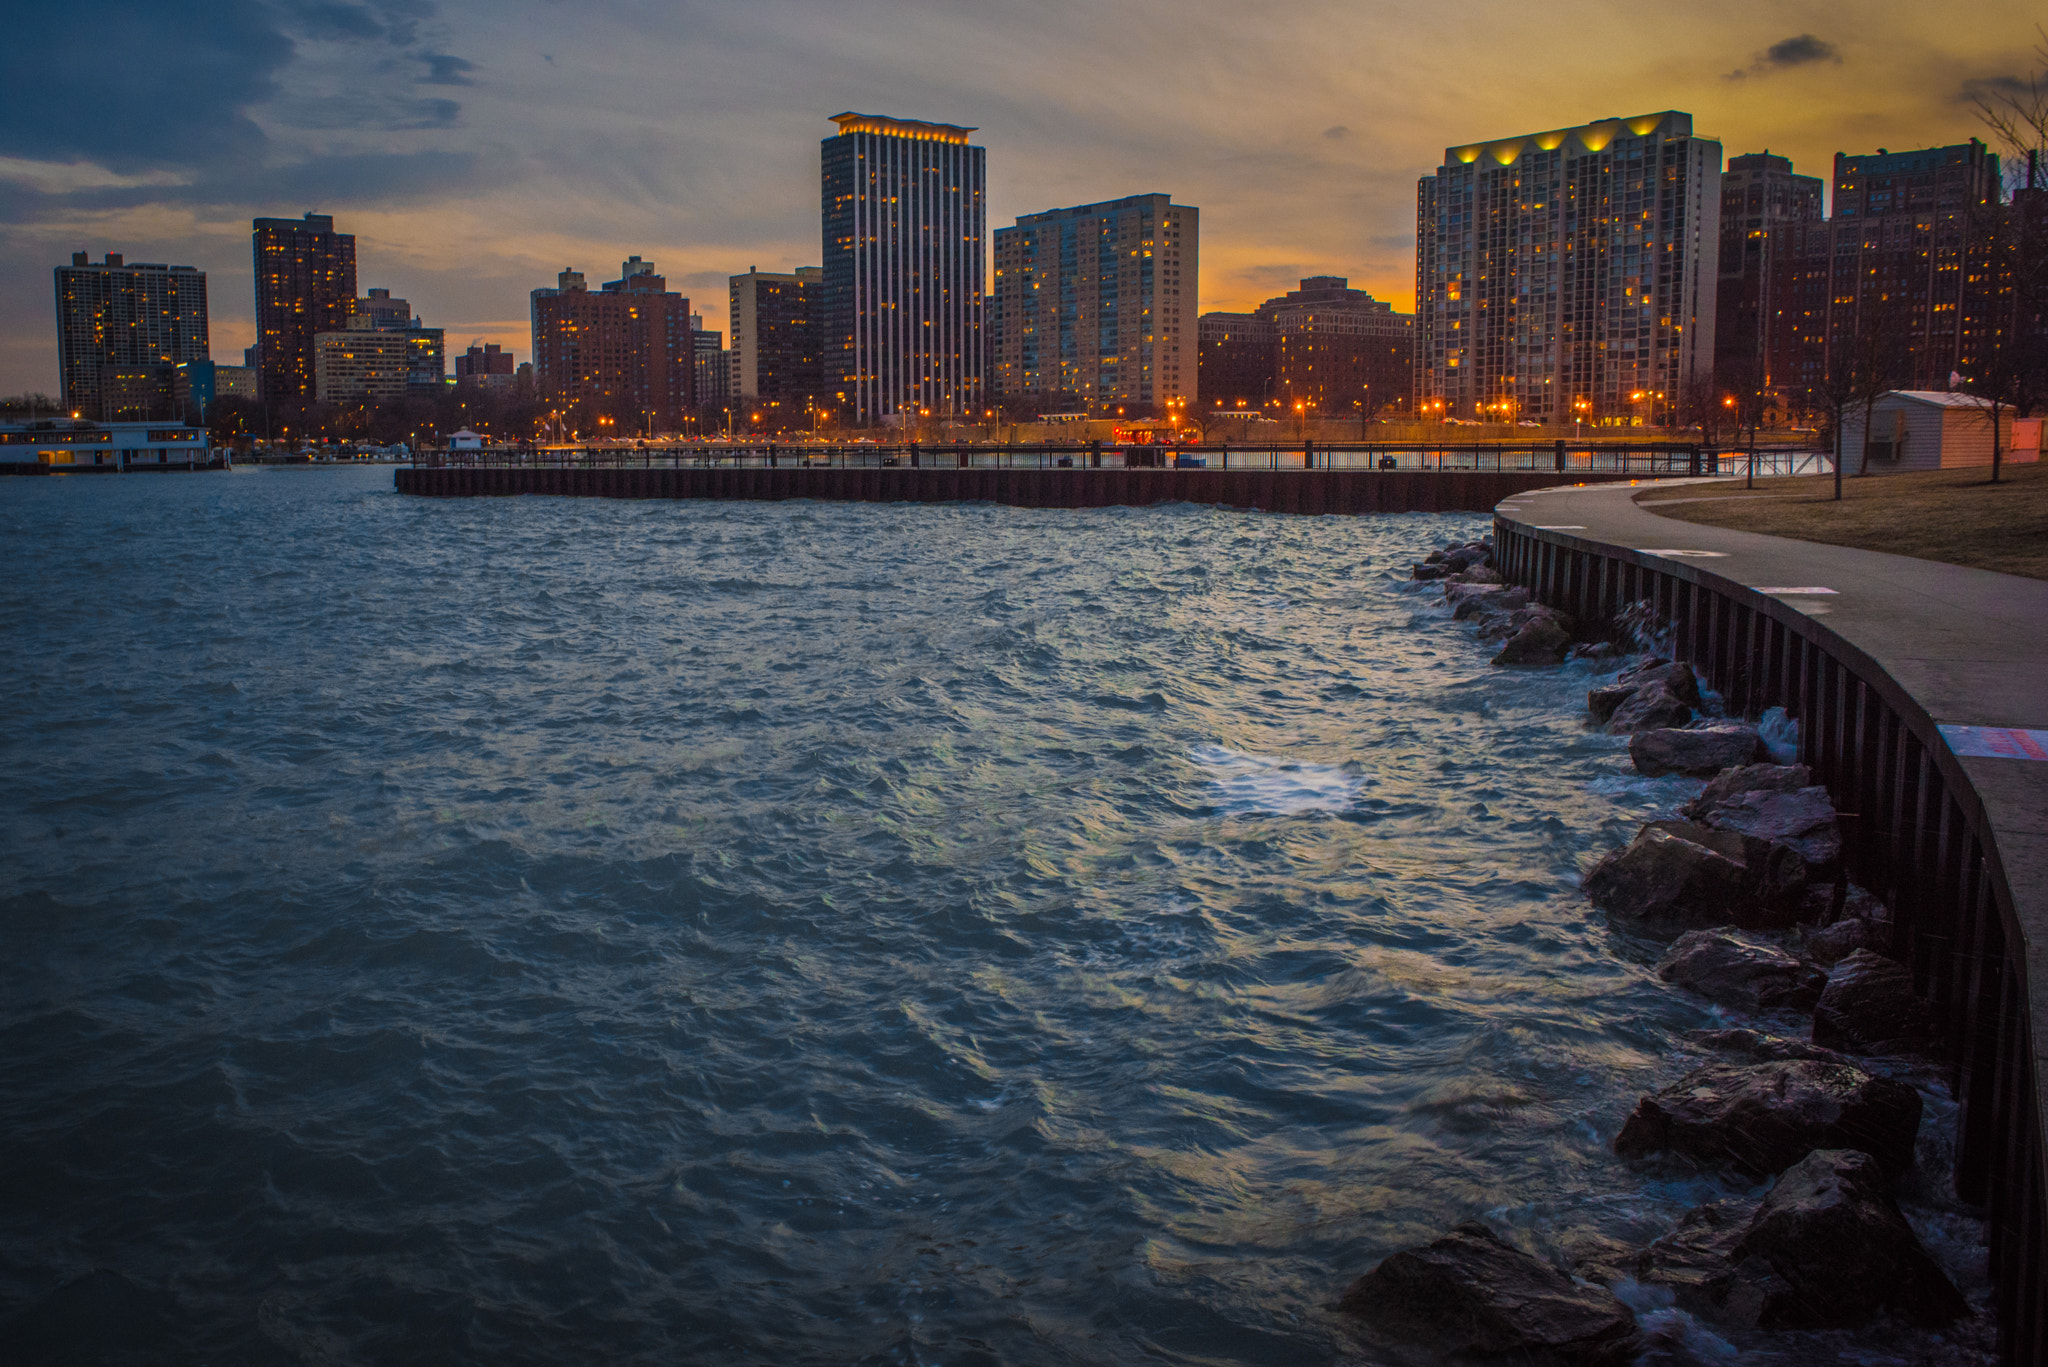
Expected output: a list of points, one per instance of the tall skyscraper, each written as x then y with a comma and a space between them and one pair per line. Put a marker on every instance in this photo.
775, 335
1760, 199
305, 285
126, 327
905, 229
1096, 306
619, 361
1570, 273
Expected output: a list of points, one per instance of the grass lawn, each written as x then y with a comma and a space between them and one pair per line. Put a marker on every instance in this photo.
1956, 516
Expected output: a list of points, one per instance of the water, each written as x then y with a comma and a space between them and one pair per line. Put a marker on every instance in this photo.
529, 931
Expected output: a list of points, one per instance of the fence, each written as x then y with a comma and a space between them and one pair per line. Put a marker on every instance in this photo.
1556, 457
1915, 833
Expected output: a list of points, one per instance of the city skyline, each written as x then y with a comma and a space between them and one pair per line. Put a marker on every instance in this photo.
476, 152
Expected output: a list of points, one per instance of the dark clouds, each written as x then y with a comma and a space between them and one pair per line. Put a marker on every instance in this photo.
194, 91
443, 69
137, 85
1802, 50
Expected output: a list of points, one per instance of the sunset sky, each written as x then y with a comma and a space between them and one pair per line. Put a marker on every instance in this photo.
475, 149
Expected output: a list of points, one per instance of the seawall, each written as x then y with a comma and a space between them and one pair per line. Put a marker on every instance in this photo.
1274, 491
1906, 678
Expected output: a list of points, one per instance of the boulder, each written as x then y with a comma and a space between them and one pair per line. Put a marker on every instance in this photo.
1698, 1263
1764, 1117
1678, 876
1827, 1248
1503, 626
1831, 1231
1648, 708
1478, 574
1469, 600
1750, 778
1595, 650
1428, 571
1601, 702
1695, 751
1470, 1295
1803, 818
1829, 945
1757, 1047
1541, 642
1741, 971
1468, 556
1676, 676
1869, 1007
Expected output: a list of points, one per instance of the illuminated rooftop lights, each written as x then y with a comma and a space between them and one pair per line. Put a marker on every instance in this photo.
900, 128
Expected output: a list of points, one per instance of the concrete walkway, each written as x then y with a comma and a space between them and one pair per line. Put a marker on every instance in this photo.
1971, 646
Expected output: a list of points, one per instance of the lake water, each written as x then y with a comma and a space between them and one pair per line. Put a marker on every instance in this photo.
537, 931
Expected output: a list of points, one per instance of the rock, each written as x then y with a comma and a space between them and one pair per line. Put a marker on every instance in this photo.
1698, 1262
1467, 556
1676, 676
1435, 558
1648, 708
1541, 642
1595, 650
1468, 600
1740, 971
1470, 1295
1696, 751
1674, 875
1829, 945
1758, 1047
1831, 1231
1750, 778
1427, 571
1601, 702
1764, 1117
1803, 819
1869, 1007
1478, 574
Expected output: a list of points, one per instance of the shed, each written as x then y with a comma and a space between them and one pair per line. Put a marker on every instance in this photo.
466, 440
1923, 429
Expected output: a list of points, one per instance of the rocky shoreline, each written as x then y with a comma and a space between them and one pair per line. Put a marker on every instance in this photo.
1745, 889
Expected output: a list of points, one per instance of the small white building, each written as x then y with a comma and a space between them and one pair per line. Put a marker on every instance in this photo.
465, 440
1921, 429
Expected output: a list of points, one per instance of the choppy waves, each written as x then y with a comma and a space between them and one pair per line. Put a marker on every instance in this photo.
526, 930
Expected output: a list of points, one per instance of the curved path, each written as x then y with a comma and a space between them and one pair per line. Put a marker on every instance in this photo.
1969, 646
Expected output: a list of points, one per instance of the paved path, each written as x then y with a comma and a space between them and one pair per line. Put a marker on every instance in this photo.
1970, 645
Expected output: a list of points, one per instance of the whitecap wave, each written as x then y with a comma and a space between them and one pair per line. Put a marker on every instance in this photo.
1241, 784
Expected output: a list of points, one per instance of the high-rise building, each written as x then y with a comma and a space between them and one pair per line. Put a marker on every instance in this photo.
196, 384
383, 353
485, 367
1095, 306
305, 285
775, 339
1760, 199
714, 364
905, 229
1240, 360
1334, 350
1339, 350
135, 323
1570, 273
619, 360
1890, 290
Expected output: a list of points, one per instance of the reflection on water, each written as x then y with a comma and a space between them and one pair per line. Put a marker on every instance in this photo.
527, 930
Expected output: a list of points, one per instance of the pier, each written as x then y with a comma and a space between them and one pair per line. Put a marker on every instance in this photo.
1307, 477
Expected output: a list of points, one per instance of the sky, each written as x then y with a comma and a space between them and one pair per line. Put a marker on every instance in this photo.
477, 147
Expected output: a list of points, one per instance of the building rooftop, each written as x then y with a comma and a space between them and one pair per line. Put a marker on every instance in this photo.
900, 128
